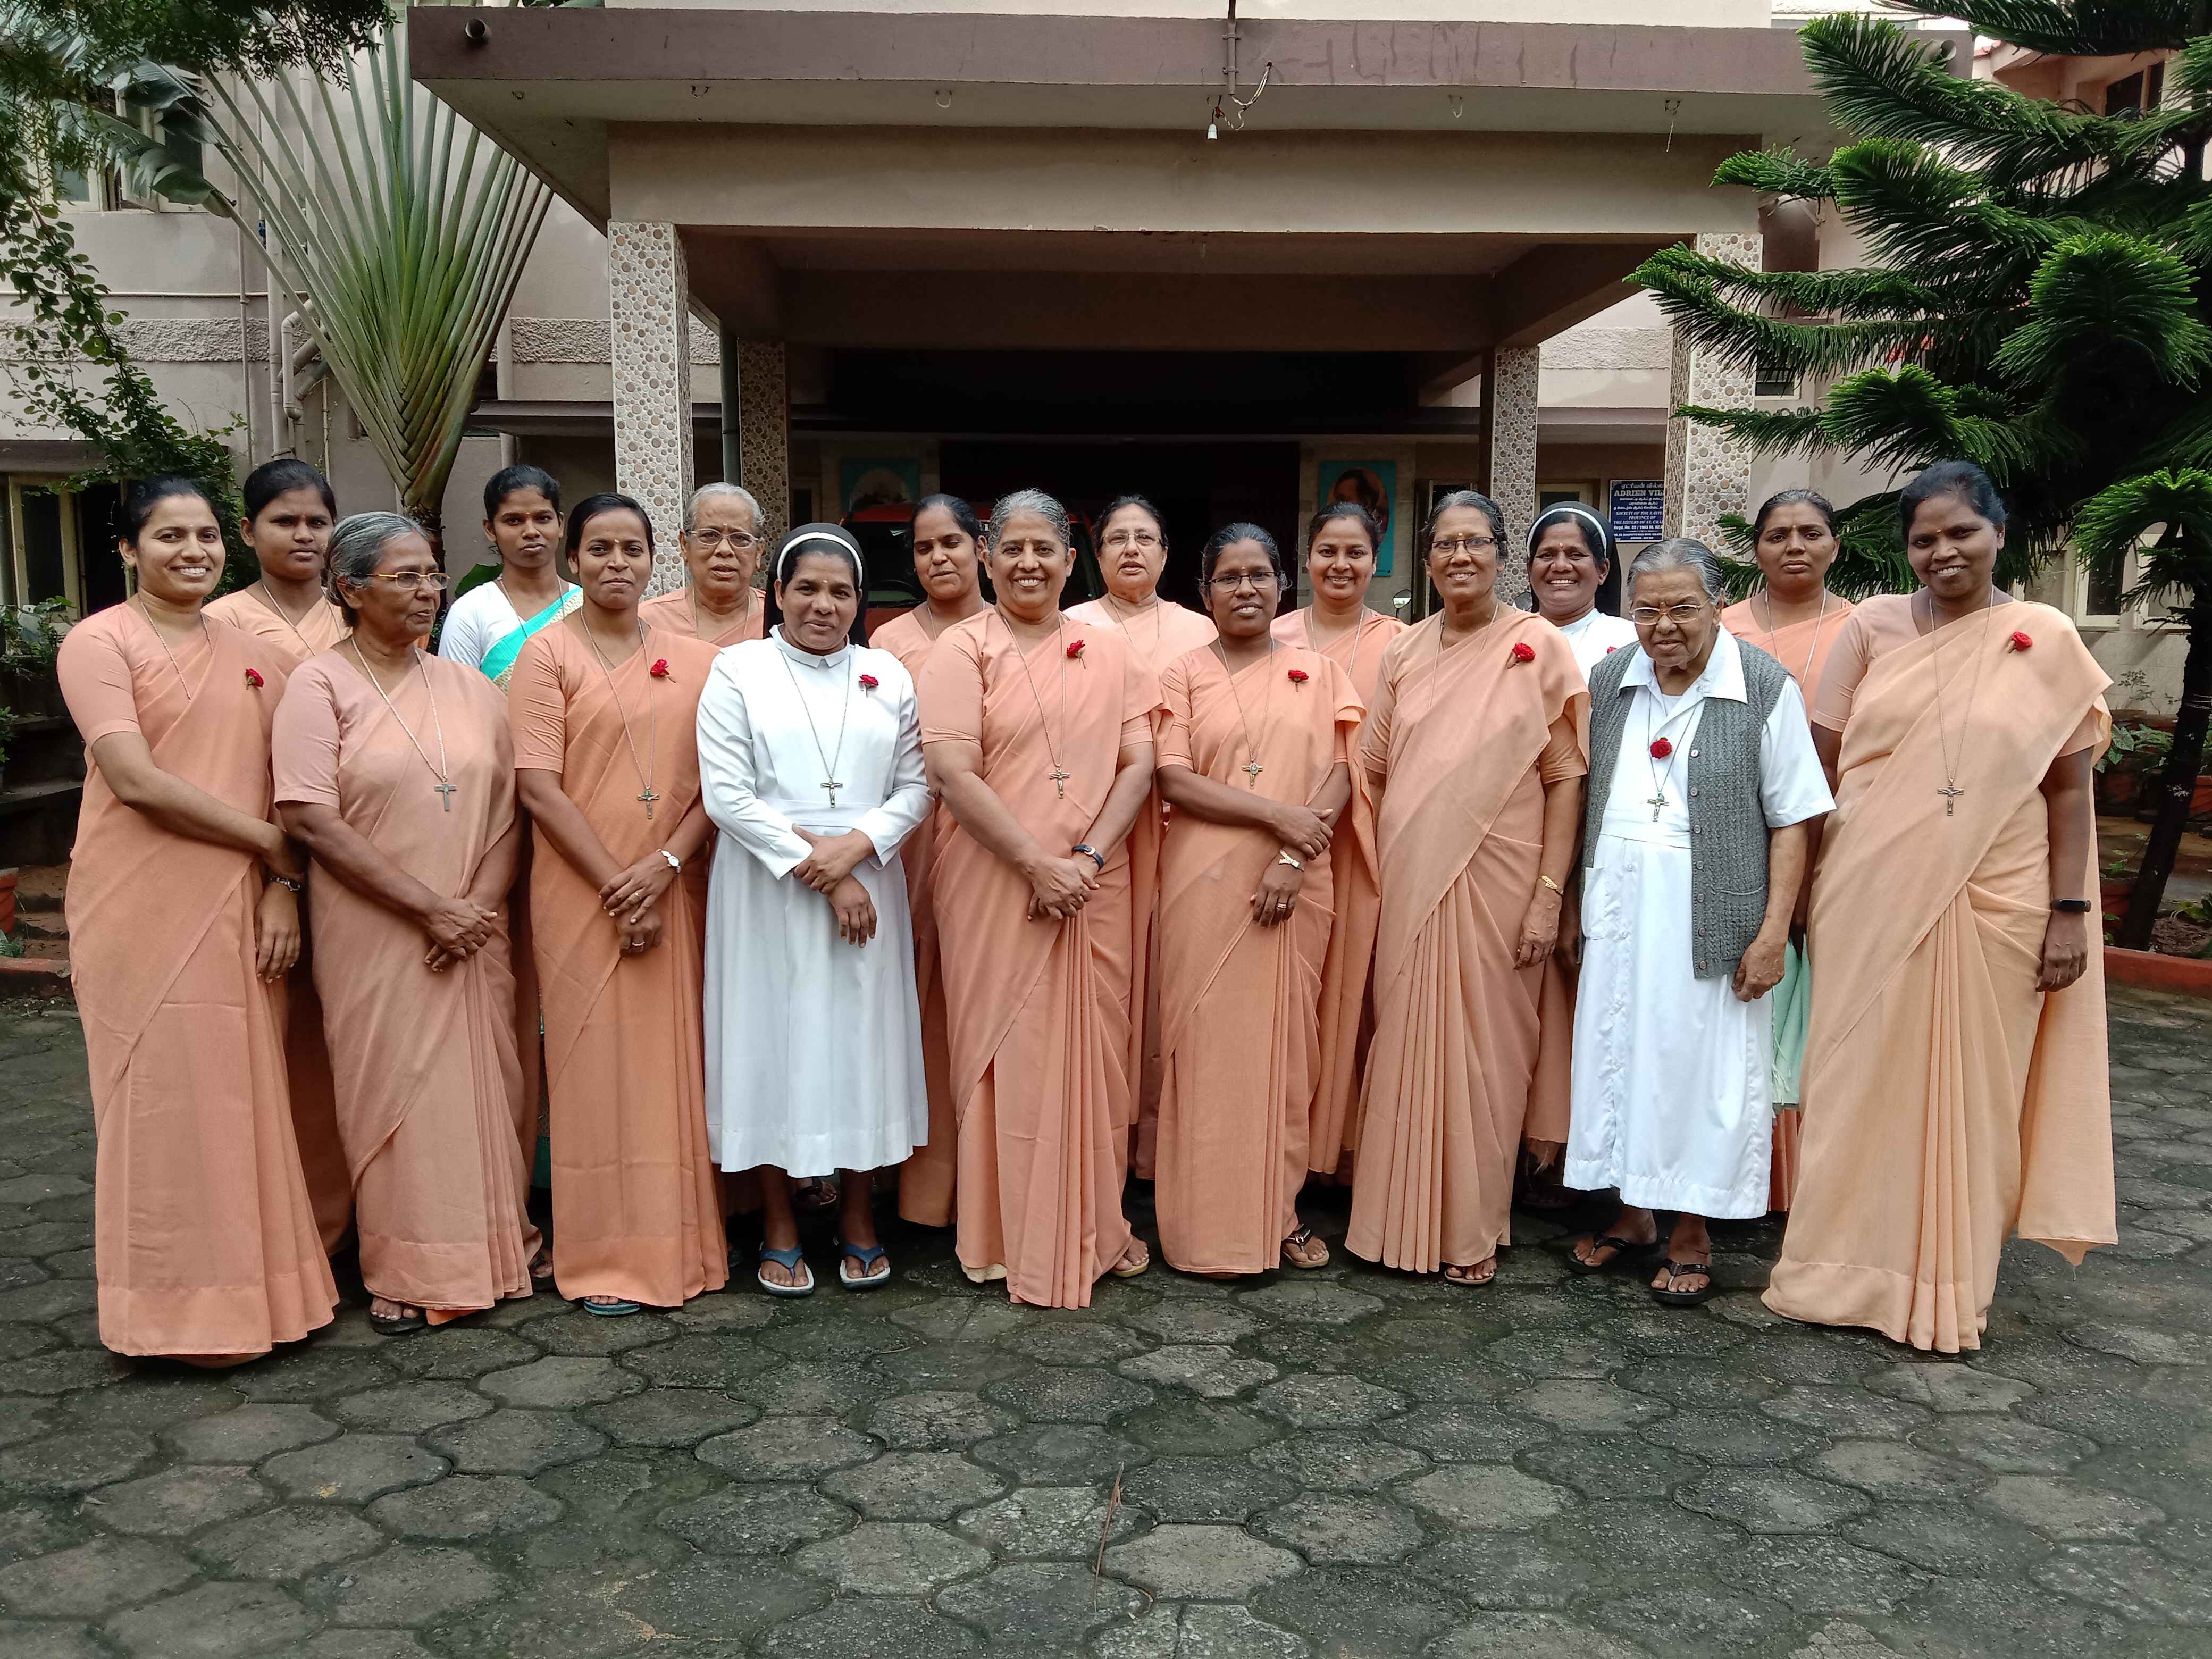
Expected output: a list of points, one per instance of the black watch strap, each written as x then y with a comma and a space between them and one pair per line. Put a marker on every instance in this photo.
2071, 907
1090, 852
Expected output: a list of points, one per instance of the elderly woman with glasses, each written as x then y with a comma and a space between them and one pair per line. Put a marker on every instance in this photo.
1133, 555
1703, 785
1255, 758
722, 544
397, 770
1038, 733
1476, 745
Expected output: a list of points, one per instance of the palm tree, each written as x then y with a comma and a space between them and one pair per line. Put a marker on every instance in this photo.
2042, 308
404, 231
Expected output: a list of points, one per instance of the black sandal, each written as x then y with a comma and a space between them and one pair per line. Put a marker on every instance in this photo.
399, 1324
1674, 1298
1623, 1250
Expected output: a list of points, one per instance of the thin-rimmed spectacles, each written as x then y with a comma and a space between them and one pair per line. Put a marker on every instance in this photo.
738, 541
1682, 615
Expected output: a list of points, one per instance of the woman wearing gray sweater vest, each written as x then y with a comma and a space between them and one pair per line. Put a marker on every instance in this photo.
1703, 779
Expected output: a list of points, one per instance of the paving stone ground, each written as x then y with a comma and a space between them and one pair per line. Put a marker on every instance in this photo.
1350, 1462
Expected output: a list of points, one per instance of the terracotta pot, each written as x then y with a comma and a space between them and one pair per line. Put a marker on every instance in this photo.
2201, 802
2118, 791
7, 902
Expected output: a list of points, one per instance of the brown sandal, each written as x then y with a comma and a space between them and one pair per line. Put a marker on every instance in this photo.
1299, 1240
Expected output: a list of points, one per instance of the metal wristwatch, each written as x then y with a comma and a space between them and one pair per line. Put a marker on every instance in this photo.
287, 884
674, 863
1285, 857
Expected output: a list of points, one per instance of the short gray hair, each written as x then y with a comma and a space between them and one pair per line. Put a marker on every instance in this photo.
357, 548
1029, 500
708, 492
1681, 553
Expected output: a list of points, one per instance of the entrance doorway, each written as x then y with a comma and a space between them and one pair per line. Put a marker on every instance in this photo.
1198, 486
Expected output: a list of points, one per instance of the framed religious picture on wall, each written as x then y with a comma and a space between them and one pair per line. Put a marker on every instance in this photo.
1373, 485
879, 481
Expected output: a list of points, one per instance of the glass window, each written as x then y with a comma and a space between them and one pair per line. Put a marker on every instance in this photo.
44, 554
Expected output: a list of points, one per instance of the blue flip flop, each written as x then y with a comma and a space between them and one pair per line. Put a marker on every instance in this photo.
613, 1309
790, 1261
867, 1255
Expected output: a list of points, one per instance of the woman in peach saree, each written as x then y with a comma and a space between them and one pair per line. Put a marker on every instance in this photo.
289, 510
722, 544
1133, 555
395, 767
947, 562
1955, 1083
1477, 744
183, 920
1255, 759
604, 715
1038, 735
1796, 620
1342, 541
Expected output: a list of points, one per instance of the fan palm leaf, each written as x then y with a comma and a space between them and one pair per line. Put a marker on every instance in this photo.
405, 233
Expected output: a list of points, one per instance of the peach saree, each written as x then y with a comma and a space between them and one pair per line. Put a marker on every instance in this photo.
676, 613
927, 1179
1461, 743
425, 1063
307, 1058
1240, 1003
1948, 1103
640, 1218
1038, 1011
1158, 635
1801, 648
205, 1241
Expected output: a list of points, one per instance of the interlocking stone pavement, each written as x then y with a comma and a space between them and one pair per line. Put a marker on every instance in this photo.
1351, 1464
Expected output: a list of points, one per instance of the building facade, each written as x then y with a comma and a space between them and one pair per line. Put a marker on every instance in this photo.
852, 251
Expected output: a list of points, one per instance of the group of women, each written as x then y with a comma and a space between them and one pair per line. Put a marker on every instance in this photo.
1002, 904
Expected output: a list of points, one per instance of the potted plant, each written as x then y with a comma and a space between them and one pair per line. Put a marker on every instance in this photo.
30, 640
2137, 750
2114, 884
8, 722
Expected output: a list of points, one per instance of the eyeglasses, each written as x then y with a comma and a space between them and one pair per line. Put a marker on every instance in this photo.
1145, 539
413, 582
1682, 615
738, 541
1450, 544
1258, 582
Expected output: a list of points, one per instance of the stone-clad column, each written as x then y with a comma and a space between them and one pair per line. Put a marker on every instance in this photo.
1708, 474
1509, 397
763, 432
648, 302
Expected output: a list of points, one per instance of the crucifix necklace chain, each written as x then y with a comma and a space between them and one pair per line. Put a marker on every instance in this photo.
270, 595
652, 721
1251, 769
1810, 650
445, 788
1657, 802
830, 781
165, 651
1059, 774
1357, 632
1951, 791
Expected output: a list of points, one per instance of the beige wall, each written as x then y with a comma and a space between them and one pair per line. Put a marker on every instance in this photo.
1708, 14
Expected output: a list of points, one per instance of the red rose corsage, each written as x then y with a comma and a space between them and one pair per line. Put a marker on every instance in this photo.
660, 669
869, 681
1661, 749
1523, 651
2020, 640
1298, 676
1075, 647
253, 678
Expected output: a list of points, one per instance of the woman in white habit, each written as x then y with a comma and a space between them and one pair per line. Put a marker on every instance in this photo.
809, 760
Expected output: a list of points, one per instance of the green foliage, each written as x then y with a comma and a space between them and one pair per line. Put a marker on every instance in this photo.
65, 66
2135, 749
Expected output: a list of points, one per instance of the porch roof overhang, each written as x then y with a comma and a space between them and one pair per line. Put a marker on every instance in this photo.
921, 179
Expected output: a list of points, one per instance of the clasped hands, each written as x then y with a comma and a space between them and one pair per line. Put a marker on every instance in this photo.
1301, 830
828, 869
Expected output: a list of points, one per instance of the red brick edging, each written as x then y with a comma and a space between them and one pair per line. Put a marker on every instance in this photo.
2190, 975
34, 976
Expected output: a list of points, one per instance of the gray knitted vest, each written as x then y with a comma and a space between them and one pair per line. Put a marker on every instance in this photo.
1727, 825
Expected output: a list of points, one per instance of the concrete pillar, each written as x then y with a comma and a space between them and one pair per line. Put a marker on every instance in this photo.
764, 432
1708, 474
648, 303
1509, 396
